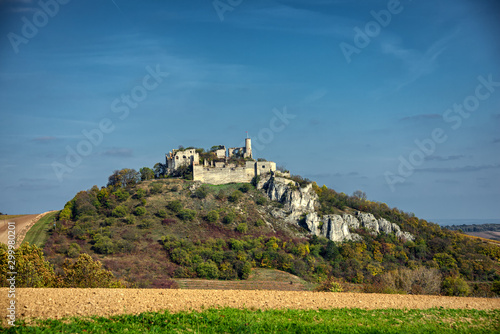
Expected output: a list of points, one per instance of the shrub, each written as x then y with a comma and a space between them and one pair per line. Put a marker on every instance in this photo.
208, 270
140, 193
140, 211
221, 195
495, 287
260, 223
235, 196
243, 269
104, 245
261, 200
186, 214
331, 284
33, 271
87, 273
108, 221
229, 218
119, 212
201, 192
65, 214
121, 195
77, 232
145, 224
156, 188
175, 206
74, 250
212, 216
161, 213
245, 187
242, 228
455, 286
168, 221
419, 281
129, 220
255, 180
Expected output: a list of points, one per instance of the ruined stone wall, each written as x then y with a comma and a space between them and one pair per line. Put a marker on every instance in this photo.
177, 158
223, 175
264, 167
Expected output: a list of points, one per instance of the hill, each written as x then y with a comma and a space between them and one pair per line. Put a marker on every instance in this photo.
150, 232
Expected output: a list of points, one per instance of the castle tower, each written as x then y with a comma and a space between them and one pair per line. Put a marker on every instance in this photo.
248, 148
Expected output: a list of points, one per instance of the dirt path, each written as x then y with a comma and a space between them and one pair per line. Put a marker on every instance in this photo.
58, 303
23, 224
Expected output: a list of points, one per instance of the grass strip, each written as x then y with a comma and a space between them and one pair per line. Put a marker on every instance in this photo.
227, 320
37, 234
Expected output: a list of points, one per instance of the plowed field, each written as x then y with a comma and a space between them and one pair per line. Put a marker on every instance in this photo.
59, 303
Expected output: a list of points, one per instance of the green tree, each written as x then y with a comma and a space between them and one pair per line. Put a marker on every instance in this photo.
208, 270
146, 173
455, 286
123, 178
65, 214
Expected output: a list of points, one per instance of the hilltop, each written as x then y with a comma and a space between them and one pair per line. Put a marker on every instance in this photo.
151, 231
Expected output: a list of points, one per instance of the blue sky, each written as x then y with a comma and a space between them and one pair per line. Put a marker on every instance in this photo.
357, 94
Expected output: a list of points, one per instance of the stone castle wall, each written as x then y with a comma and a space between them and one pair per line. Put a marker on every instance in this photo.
222, 173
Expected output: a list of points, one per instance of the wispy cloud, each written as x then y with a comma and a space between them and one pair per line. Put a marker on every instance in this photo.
421, 117
44, 139
118, 152
463, 169
417, 63
496, 140
444, 158
447, 181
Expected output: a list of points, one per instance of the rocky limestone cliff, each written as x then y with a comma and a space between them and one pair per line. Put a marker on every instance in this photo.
296, 200
299, 202
337, 227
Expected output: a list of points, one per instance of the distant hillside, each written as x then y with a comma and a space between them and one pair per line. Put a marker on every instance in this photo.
474, 227
148, 232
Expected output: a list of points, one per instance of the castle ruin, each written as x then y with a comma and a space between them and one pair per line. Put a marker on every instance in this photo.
220, 165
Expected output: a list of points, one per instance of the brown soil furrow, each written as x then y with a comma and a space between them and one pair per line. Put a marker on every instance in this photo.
59, 303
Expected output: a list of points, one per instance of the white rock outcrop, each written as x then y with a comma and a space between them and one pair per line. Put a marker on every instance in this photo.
337, 227
299, 206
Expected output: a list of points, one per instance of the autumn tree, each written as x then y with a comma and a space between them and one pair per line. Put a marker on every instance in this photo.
123, 178
87, 273
33, 271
